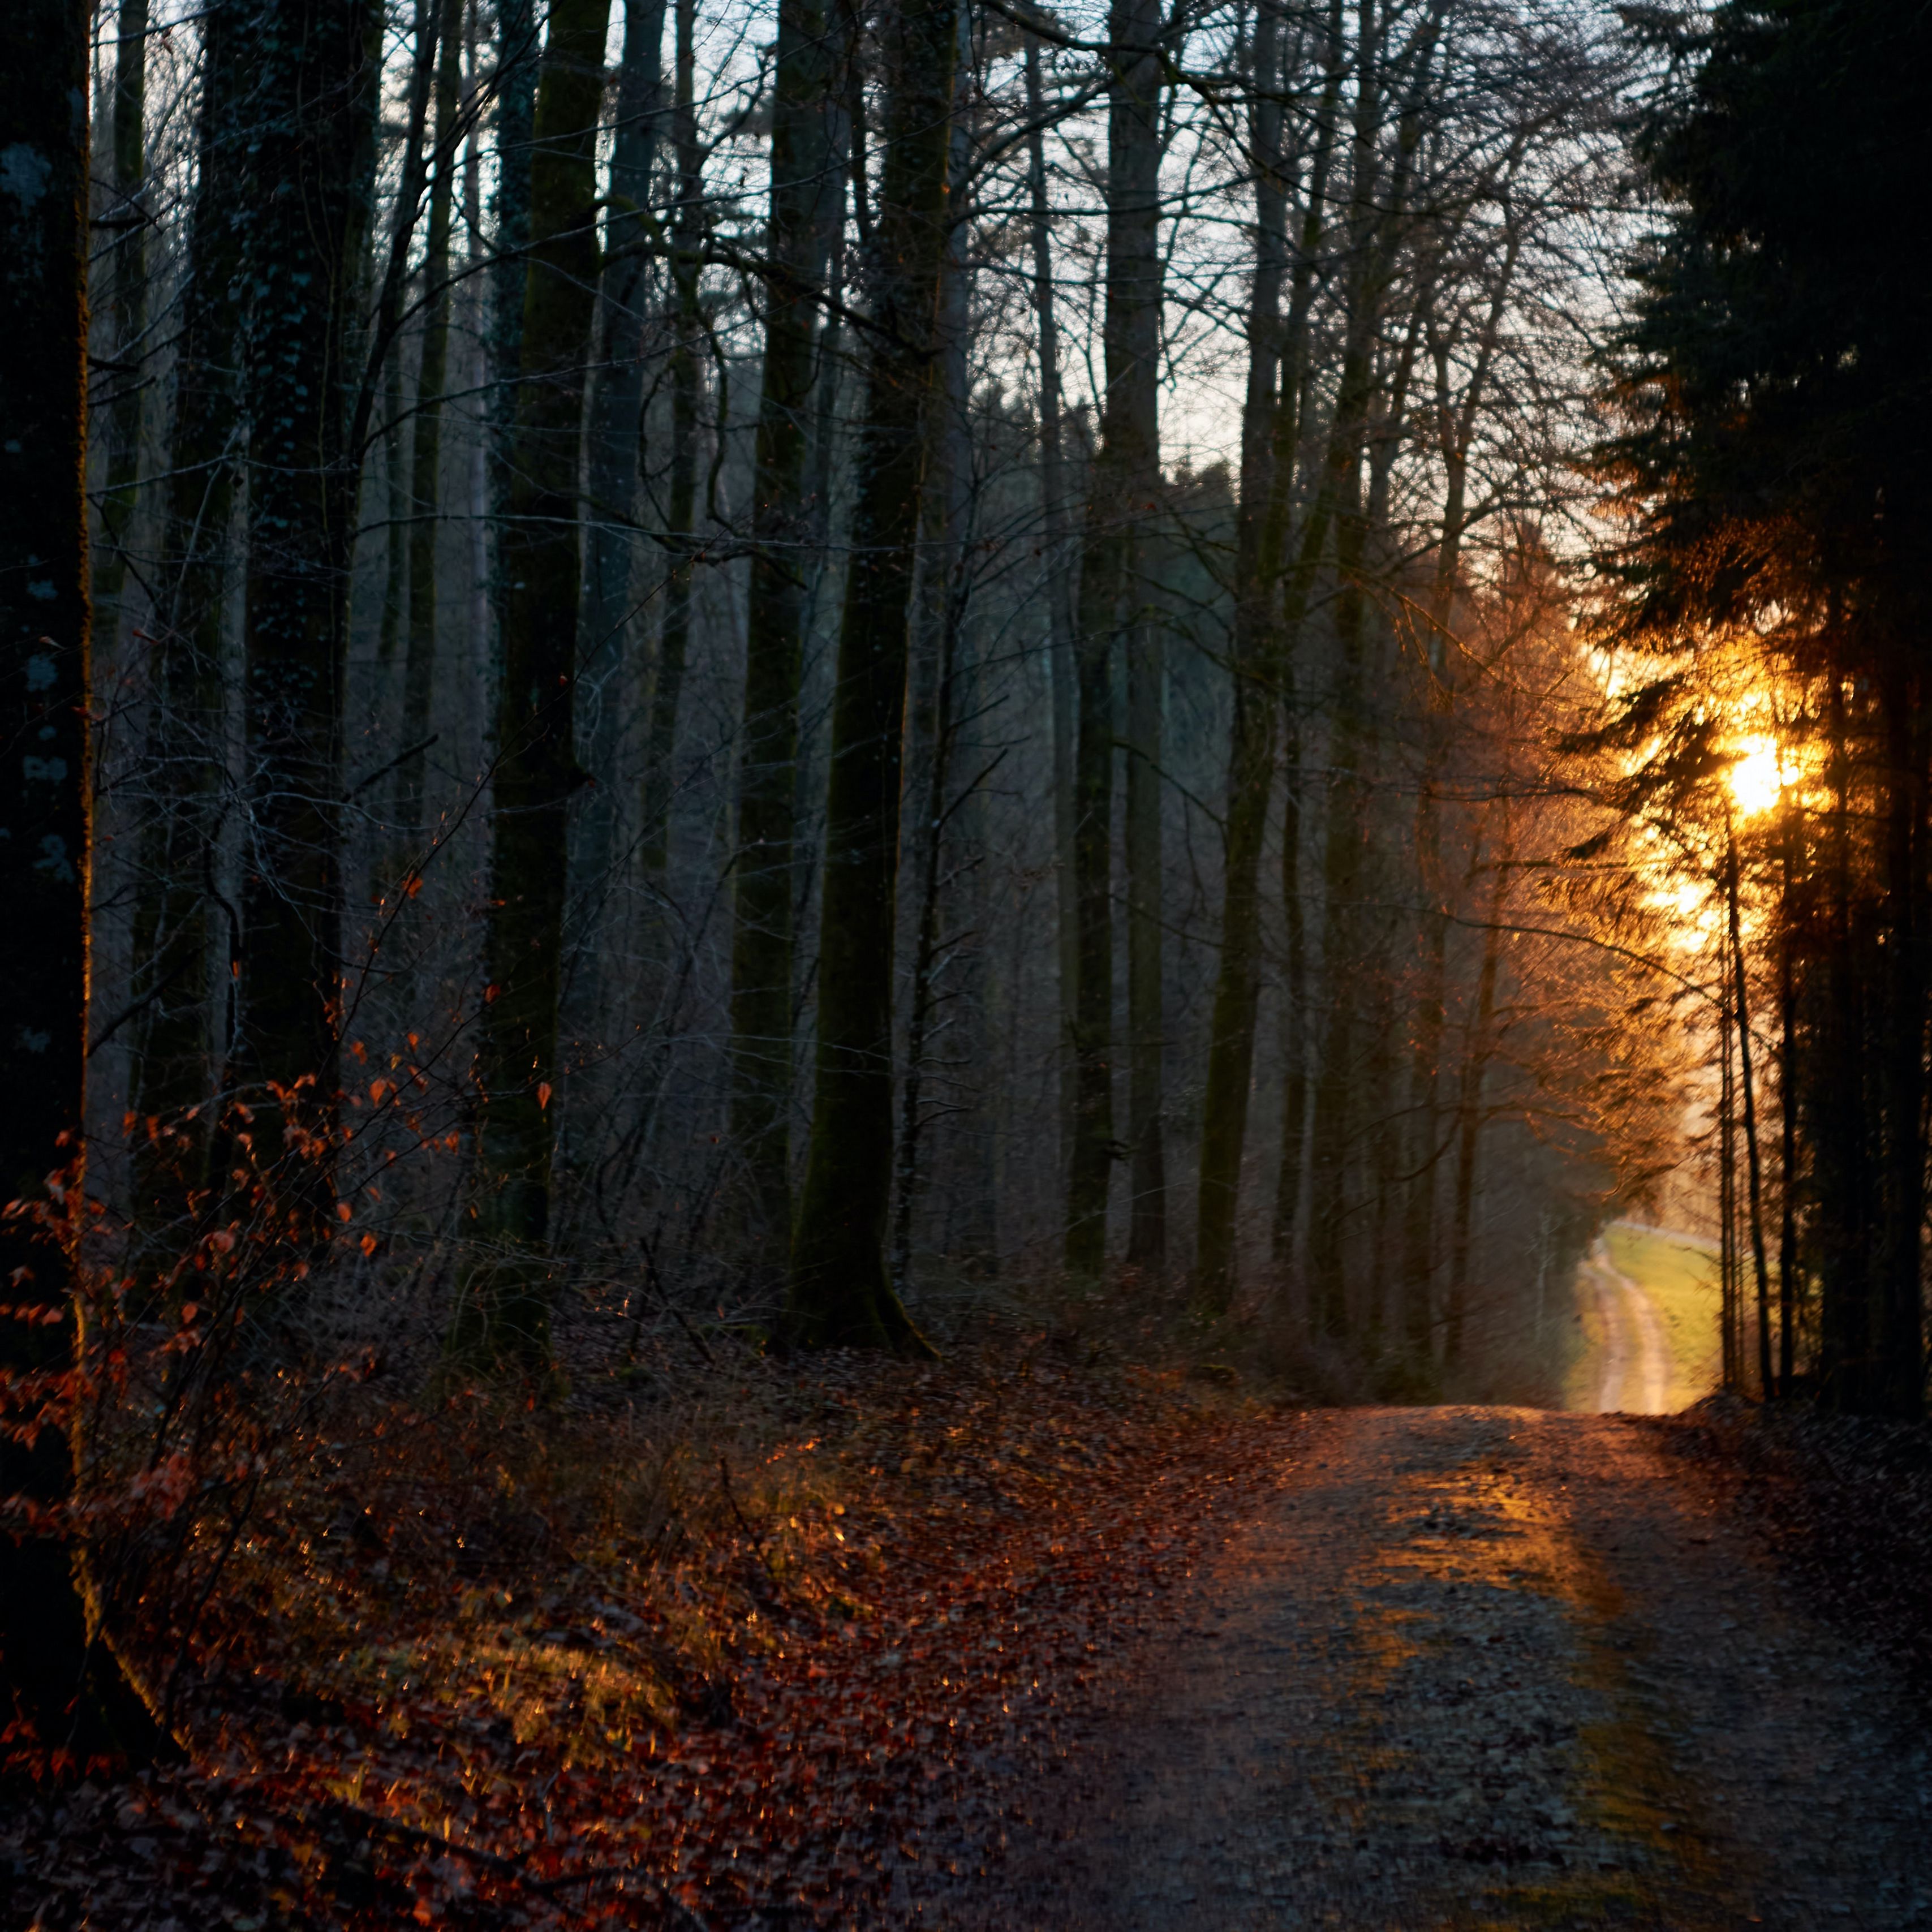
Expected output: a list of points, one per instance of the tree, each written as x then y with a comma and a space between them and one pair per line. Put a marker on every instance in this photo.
616, 428
507, 1314
1772, 408
426, 451
807, 208
62, 1685
840, 1293
176, 931
302, 260
679, 585
1263, 493
1125, 481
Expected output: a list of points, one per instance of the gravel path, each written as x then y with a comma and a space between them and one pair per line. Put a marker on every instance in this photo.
1635, 1373
1483, 1668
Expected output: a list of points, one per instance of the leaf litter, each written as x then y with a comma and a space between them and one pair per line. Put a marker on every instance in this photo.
791, 1663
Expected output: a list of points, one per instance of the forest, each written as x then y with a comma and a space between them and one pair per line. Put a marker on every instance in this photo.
801, 798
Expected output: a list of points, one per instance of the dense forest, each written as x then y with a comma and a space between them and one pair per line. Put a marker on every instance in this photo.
688, 688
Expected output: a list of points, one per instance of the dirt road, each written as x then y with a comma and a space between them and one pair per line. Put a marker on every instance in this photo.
1484, 1668
1634, 1378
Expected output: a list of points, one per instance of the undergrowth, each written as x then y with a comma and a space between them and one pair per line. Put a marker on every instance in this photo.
728, 1642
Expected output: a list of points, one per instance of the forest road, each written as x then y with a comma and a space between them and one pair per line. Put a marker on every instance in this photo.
1635, 1376
1481, 1668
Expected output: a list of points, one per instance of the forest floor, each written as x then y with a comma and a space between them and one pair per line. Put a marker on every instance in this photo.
1025, 1641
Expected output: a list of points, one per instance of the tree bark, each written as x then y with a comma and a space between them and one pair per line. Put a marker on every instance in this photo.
939, 614
426, 451
1456, 425
1899, 1384
1124, 487
807, 212
1062, 619
607, 646
839, 1293
506, 1316
1477, 1048
59, 1684
176, 930
1753, 1166
308, 213
680, 574
1251, 751
517, 67
118, 424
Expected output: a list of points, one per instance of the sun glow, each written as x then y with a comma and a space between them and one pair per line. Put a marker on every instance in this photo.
1758, 777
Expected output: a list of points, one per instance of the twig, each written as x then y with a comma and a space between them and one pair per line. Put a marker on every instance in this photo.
724, 1476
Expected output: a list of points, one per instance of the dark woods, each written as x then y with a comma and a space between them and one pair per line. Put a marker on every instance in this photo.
1773, 419
776, 685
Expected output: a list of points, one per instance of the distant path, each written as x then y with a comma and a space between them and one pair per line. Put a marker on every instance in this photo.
1490, 1668
1636, 1377
1682, 1236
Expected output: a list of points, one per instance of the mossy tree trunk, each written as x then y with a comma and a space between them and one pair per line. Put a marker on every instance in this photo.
505, 1315
807, 206
840, 1293
58, 1682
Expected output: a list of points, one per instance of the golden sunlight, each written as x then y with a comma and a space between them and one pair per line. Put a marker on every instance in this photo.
1758, 777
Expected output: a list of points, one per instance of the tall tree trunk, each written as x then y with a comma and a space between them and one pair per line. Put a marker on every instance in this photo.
1125, 483
1147, 1219
1379, 193
426, 453
939, 619
1788, 1090
1342, 863
1062, 617
1478, 1046
1730, 1276
606, 654
1842, 1104
1290, 1170
1251, 751
680, 577
517, 68
1456, 426
839, 1293
1899, 1379
1290, 425
176, 935
316, 84
59, 1684
506, 1316
1753, 1166
807, 210
118, 424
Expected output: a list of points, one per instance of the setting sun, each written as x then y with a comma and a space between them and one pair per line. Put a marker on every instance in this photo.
1758, 777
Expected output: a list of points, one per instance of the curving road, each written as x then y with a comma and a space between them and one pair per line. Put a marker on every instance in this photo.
1635, 1377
